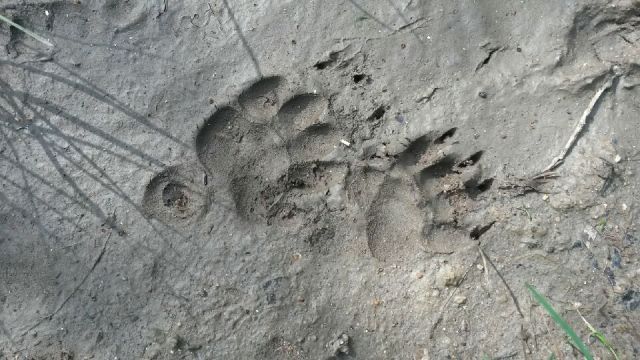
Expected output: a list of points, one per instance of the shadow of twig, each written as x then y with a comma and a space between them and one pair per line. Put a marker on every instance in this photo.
407, 22
90, 89
46, 200
370, 15
27, 119
244, 41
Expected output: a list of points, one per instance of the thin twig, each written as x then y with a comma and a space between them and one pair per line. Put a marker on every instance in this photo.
75, 290
444, 305
580, 126
486, 269
513, 296
507, 356
545, 175
26, 31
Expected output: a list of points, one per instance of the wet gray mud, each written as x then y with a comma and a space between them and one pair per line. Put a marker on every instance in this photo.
318, 179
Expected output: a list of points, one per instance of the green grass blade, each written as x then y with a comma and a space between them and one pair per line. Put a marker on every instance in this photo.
561, 322
26, 31
603, 340
600, 336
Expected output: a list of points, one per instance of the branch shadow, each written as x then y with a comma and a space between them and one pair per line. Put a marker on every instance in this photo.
71, 149
370, 15
44, 196
88, 88
243, 39
51, 203
406, 20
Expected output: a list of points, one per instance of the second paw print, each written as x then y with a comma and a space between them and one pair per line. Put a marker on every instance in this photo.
274, 149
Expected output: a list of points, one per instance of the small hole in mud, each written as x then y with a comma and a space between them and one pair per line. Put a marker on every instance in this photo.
447, 134
377, 113
358, 77
479, 230
175, 195
471, 160
485, 185
321, 65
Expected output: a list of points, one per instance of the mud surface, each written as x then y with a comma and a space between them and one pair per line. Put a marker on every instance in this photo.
318, 179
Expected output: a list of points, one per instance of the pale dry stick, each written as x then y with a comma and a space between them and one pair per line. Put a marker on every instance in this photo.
486, 269
444, 305
526, 349
554, 340
513, 296
580, 126
26, 31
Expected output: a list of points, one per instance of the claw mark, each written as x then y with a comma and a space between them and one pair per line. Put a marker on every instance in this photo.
479, 230
447, 134
471, 160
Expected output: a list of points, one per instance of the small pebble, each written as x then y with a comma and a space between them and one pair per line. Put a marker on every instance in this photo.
459, 299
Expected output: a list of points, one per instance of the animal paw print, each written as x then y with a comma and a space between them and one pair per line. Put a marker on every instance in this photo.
426, 185
177, 195
275, 152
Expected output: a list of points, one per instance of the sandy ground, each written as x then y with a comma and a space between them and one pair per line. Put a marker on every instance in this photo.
318, 179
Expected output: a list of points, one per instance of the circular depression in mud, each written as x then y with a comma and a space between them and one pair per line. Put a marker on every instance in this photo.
176, 195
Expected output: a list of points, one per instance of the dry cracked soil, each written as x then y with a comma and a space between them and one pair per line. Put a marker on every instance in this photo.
318, 179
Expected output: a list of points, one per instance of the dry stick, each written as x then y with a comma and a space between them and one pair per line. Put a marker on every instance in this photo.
486, 269
444, 305
75, 290
581, 124
526, 350
26, 31
513, 296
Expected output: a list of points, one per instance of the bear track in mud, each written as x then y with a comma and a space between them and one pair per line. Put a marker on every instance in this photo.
270, 148
273, 153
276, 155
427, 185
